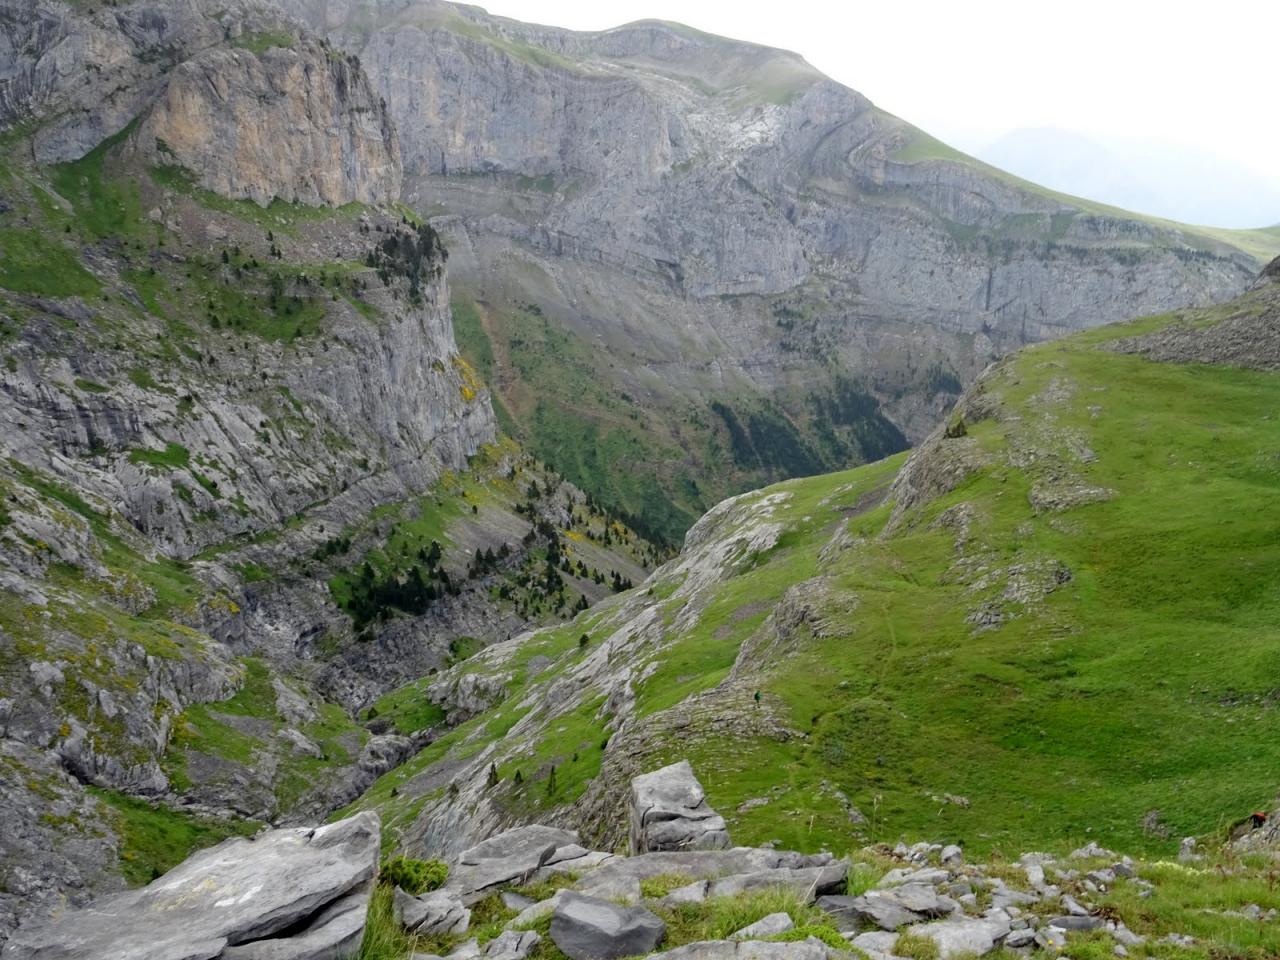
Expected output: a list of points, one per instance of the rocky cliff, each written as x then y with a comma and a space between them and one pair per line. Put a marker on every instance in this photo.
247, 485
771, 274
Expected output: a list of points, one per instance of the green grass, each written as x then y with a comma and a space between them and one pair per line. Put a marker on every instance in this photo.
1141, 681
408, 707
658, 465
173, 457
259, 43
33, 261
154, 838
278, 215
106, 206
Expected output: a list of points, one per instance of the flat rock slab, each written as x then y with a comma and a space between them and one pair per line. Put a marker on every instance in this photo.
918, 898
587, 928
239, 891
770, 926
334, 934
703, 864
967, 935
810, 949
669, 811
805, 882
510, 857
854, 913
512, 945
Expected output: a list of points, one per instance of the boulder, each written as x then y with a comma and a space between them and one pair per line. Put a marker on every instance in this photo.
233, 894
805, 882
434, 913
510, 857
669, 811
852, 913
770, 926
703, 864
965, 935
918, 898
512, 945
875, 941
334, 934
587, 928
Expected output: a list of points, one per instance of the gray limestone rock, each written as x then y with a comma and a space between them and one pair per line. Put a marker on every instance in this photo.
587, 928
805, 882
232, 894
510, 857
334, 934
430, 914
852, 913
512, 945
768, 926
965, 935
669, 811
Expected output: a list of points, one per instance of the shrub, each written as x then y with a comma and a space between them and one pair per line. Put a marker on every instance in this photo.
414, 876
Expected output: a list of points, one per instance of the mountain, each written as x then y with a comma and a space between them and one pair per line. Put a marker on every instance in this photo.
1164, 179
247, 483
694, 265
1053, 621
266, 552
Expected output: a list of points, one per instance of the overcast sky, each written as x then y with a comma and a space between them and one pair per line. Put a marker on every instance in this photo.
1114, 71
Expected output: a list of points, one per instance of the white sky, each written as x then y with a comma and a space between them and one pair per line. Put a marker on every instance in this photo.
1189, 72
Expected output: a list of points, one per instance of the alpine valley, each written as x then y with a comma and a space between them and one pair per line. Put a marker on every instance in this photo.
471, 460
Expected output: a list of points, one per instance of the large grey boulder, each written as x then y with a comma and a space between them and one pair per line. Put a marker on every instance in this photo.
334, 934
918, 898
241, 893
853, 913
510, 857
669, 811
962, 936
587, 928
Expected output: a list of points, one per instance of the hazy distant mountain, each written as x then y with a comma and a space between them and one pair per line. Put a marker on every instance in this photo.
1145, 175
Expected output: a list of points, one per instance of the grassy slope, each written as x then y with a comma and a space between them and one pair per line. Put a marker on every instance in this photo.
1143, 683
659, 465
1263, 244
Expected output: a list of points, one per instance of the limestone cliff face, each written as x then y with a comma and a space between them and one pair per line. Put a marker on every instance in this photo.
185, 378
298, 123
741, 228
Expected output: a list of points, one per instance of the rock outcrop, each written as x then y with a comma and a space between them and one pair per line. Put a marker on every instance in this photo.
588, 928
297, 893
669, 811
296, 122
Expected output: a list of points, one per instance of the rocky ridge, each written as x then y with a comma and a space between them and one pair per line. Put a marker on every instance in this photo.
797, 280
305, 894
231, 382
